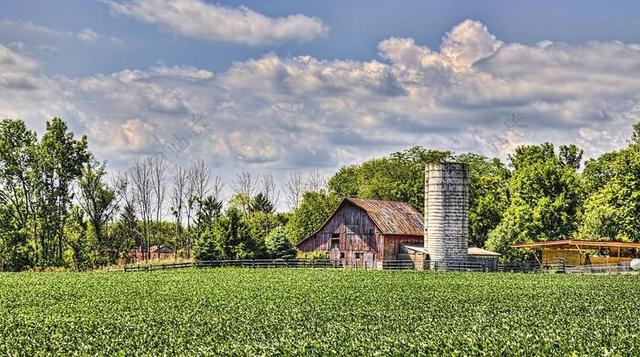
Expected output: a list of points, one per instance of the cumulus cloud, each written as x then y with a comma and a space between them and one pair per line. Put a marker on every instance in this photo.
197, 19
11, 61
276, 112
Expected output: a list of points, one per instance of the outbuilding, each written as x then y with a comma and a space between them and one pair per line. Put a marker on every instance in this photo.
363, 233
573, 252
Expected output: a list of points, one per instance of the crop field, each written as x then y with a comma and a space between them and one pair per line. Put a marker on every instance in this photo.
233, 311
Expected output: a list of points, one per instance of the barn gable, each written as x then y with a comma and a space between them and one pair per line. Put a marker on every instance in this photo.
389, 217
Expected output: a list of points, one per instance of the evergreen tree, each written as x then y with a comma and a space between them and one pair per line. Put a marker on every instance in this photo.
261, 203
278, 244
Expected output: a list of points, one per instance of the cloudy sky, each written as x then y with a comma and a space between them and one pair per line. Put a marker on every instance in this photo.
271, 86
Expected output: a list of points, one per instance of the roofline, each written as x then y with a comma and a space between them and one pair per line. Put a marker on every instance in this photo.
576, 242
342, 201
350, 200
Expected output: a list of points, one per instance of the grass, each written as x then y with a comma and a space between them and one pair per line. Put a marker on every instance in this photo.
231, 311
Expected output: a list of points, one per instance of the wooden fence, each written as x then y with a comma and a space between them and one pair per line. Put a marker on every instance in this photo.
472, 266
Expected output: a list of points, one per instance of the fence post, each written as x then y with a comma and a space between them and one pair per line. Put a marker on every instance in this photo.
561, 267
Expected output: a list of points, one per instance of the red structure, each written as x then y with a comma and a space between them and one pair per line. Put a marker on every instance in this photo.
363, 232
155, 252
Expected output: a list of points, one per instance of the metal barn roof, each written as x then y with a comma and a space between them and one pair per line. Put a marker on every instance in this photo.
392, 217
576, 244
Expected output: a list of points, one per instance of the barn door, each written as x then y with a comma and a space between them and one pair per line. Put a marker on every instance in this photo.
368, 260
334, 254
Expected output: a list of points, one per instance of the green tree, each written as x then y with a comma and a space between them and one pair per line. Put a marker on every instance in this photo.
15, 253
60, 161
398, 177
314, 209
207, 211
18, 209
488, 195
261, 203
612, 208
80, 251
229, 238
545, 197
97, 200
126, 233
278, 244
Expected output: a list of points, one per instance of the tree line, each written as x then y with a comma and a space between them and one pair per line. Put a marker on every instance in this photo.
59, 208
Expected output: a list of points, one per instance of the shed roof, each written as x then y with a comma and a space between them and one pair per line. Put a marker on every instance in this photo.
574, 244
479, 252
392, 217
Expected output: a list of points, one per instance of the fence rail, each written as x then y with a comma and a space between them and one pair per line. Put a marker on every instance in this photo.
452, 265
621, 267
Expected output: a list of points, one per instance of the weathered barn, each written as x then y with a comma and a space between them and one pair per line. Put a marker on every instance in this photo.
363, 233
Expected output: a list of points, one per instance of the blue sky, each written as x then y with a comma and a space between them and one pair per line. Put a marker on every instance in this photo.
278, 86
356, 27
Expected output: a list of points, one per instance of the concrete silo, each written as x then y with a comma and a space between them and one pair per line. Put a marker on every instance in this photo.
446, 212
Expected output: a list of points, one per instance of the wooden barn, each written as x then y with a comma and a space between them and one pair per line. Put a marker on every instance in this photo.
363, 233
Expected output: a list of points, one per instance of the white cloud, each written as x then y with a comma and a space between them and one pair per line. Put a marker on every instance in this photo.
197, 19
467, 43
11, 62
86, 35
278, 112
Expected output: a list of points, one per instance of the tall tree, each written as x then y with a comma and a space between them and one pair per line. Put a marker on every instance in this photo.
398, 177
294, 188
60, 160
269, 189
97, 200
142, 189
488, 195
178, 201
17, 193
545, 198
612, 208
313, 211
244, 183
261, 203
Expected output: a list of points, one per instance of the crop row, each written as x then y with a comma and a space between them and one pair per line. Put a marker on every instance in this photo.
233, 311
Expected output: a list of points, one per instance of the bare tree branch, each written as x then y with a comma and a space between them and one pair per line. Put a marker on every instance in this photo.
294, 188
244, 183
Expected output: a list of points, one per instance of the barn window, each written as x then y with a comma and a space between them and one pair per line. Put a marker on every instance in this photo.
335, 240
341, 255
358, 255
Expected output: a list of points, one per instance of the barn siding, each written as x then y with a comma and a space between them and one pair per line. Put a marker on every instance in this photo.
392, 244
358, 234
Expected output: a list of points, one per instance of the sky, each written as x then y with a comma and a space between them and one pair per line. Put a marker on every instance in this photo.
273, 87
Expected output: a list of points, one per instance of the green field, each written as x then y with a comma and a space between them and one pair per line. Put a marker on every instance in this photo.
319, 312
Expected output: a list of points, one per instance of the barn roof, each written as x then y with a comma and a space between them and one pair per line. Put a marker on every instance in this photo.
392, 217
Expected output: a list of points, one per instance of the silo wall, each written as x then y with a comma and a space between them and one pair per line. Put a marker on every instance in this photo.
446, 212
